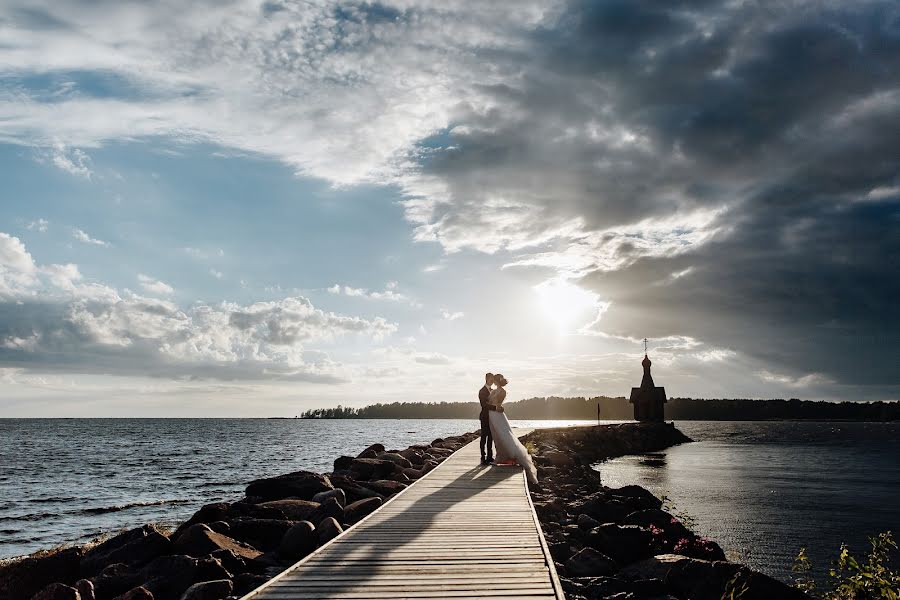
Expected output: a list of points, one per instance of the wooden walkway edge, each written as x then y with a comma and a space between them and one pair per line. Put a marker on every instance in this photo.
461, 531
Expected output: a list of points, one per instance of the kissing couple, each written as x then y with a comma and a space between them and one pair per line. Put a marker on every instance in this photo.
495, 428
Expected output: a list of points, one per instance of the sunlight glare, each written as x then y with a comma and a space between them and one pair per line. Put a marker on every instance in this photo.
566, 304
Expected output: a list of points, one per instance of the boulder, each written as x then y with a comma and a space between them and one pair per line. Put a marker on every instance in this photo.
114, 581
328, 529
209, 590
623, 543
300, 484
300, 540
232, 563
416, 458
331, 508
558, 459
353, 490
396, 459
636, 496
253, 511
342, 463
386, 487
200, 540
57, 591
85, 589
138, 593
590, 563
294, 509
413, 473
337, 493
24, 578
262, 534
168, 577
710, 580
374, 450
247, 582
134, 547
220, 527
673, 530
371, 468
586, 522
356, 511
208, 513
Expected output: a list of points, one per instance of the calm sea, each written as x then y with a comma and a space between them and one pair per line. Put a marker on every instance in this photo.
761, 490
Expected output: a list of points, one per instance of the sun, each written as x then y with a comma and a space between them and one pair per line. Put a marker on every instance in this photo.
566, 304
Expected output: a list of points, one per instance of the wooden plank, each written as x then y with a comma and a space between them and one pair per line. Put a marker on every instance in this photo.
461, 531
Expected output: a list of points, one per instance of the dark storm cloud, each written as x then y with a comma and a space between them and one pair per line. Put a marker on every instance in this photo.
782, 116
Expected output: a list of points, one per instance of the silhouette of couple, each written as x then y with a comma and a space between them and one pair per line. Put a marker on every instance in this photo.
496, 430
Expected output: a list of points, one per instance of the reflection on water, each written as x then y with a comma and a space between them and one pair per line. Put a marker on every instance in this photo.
763, 490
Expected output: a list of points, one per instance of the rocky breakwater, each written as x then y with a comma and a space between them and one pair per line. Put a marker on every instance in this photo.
619, 542
227, 549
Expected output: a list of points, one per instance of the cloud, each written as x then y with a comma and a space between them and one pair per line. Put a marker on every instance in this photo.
389, 294
50, 320
84, 238
71, 160
201, 254
451, 316
155, 286
39, 225
216, 274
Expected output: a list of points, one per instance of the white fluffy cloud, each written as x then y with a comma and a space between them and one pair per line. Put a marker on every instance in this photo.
84, 238
155, 286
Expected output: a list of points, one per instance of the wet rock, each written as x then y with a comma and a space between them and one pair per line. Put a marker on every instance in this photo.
328, 529
138, 593
208, 513
370, 468
300, 484
623, 543
133, 547
25, 577
337, 493
386, 487
373, 450
358, 510
209, 590
300, 540
200, 540
57, 591
247, 582
708, 580
85, 589
396, 459
588, 563
294, 509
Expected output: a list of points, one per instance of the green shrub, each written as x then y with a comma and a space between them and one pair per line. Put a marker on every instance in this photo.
850, 579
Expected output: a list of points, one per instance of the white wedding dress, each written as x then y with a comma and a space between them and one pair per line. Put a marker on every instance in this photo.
507, 444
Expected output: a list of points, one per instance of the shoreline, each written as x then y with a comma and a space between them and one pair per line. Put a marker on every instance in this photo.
239, 545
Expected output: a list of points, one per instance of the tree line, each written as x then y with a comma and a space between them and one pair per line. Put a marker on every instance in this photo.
555, 407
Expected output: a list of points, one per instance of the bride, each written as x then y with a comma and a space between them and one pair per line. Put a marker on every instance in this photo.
509, 450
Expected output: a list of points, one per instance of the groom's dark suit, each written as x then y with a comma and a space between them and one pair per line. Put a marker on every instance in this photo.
484, 395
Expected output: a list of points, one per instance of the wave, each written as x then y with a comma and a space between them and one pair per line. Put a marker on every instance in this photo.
116, 508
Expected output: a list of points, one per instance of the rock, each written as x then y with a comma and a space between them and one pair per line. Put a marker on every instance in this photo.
331, 508
371, 468
138, 593
24, 578
416, 458
623, 543
373, 449
262, 534
396, 459
300, 484
585, 522
558, 459
57, 591
429, 465
168, 577
413, 473
386, 487
636, 496
114, 581
209, 590
200, 540
353, 490
220, 527
358, 510
85, 589
232, 563
708, 580
300, 540
673, 530
208, 513
253, 511
560, 551
337, 493
342, 463
328, 529
247, 582
589, 563
294, 509
133, 547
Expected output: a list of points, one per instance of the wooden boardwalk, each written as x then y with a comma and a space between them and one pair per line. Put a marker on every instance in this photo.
461, 531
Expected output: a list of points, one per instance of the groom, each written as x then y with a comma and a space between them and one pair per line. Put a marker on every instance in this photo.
484, 395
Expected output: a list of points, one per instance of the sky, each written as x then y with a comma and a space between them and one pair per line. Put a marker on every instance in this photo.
246, 208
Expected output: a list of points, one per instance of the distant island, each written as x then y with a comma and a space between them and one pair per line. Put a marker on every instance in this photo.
553, 407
